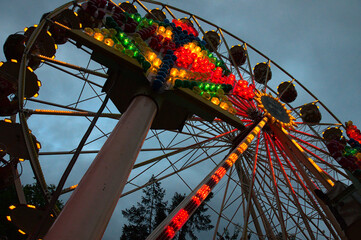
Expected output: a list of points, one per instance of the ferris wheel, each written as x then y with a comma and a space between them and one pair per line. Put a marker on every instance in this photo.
190, 103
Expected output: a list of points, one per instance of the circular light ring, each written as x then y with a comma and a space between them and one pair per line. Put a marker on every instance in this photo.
275, 110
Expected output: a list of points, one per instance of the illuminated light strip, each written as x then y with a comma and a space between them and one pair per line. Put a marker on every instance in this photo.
320, 170
310, 145
12, 207
31, 206
8, 218
57, 111
168, 228
324, 162
21, 231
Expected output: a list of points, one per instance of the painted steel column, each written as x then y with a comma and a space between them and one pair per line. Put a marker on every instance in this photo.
88, 211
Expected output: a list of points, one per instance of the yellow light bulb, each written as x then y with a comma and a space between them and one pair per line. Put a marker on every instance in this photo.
153, 70
161, 29
157, 62
192, 45
197, 49
182, 73
224, 105
151, 56
174, 72
230, 163
98, 36
215, 100
233, 157
168, 34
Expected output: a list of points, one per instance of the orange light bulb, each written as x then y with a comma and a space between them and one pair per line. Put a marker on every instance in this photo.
98, 36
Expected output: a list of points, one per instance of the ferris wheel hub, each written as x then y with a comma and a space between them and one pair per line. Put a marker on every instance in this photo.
274, 110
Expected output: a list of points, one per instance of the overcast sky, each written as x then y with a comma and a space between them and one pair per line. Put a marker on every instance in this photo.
318, 42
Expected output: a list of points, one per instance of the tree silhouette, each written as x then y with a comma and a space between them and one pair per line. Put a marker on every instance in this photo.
35, 197
227, 236
148, 213
289, 236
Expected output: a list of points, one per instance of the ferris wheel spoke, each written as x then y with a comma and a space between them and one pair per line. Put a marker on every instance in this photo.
310, 186
289, 185
322, 177
224, 126
177, 151
306, 134
70, 113
73, 74
188, 134
264, 192
204, 151
168, 175
250, 192
253, 214
204, 130
310, 145
265, 213
191, 159
75, 44
222, 206
56, 105
326, 163
275, 188
211, 127
71, 66
228, 51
